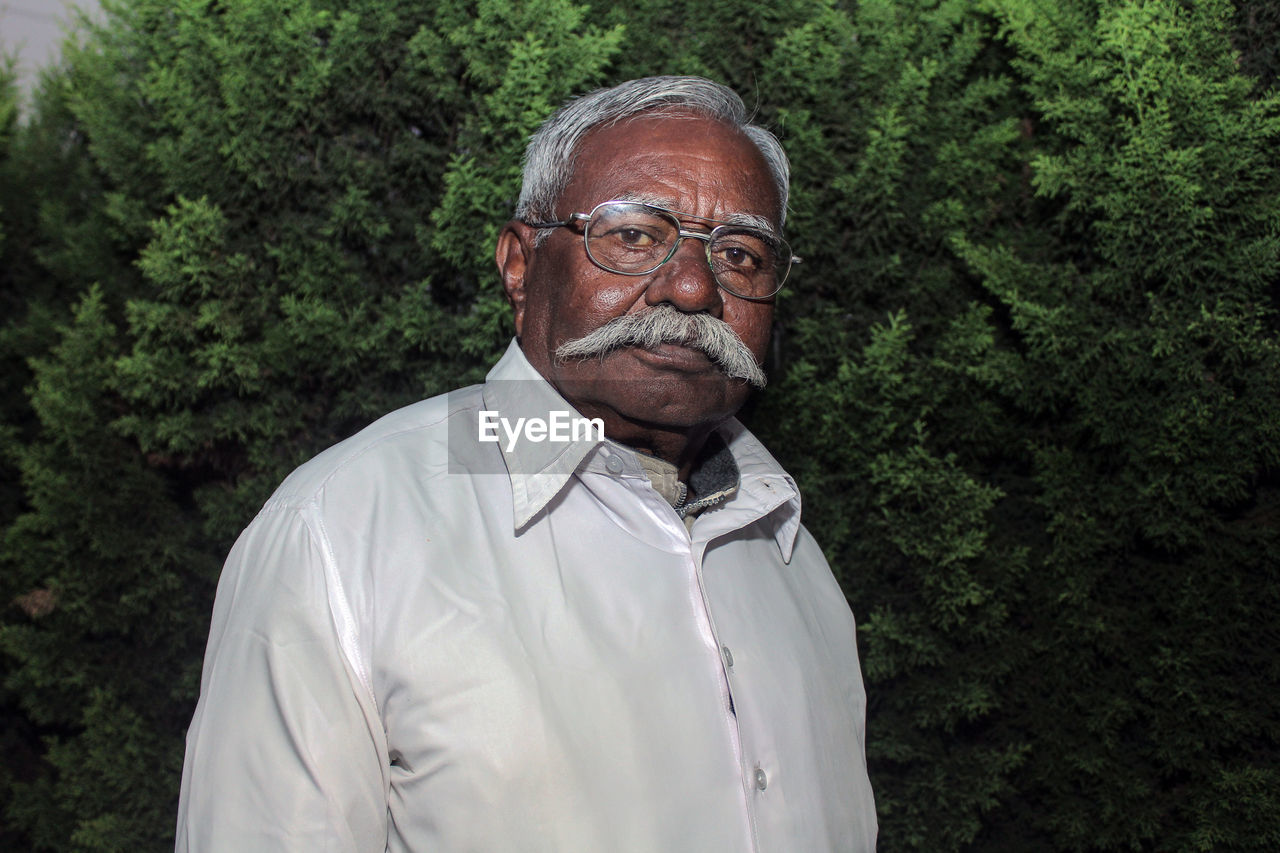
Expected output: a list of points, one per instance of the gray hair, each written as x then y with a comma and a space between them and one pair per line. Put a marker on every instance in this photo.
549, 158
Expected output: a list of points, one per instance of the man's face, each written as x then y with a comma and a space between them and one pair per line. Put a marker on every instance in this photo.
701, 168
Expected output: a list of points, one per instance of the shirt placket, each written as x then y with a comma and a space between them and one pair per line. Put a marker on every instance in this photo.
723, 665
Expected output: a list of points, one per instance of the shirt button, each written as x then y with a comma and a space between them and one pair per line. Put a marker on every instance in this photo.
762, 781
614, 464
728, 656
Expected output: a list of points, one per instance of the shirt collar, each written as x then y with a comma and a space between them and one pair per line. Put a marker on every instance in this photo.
538, 469
541, 470
764, 488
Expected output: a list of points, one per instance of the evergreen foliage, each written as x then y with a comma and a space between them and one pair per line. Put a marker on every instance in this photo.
1028, 374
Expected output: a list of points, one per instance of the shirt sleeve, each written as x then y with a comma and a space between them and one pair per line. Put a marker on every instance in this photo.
286, 749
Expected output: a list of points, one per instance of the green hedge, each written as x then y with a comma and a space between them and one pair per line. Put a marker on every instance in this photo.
1028, 374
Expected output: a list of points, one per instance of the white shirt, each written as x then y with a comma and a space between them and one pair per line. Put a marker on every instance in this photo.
428, 643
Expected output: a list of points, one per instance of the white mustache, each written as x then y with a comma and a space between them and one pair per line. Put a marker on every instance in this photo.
664, 324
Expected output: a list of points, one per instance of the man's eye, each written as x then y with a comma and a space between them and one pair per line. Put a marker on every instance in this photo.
738, 257
633, 237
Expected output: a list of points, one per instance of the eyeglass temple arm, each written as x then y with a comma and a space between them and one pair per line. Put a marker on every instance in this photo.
573, 217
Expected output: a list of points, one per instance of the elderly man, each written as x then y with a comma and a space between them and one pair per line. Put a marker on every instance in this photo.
476, 627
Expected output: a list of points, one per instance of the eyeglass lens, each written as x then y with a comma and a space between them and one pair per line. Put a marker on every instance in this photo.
636, 238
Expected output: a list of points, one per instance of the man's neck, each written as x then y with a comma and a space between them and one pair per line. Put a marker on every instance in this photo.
678, 446
713, 480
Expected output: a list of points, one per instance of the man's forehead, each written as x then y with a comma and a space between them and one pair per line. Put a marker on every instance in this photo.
682, 152
750, 220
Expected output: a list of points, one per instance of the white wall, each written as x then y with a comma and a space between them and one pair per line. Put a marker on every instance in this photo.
32, 31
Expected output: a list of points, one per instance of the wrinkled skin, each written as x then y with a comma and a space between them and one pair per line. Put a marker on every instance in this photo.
668, 399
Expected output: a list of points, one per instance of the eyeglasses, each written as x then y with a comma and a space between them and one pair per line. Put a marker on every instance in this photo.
631, 238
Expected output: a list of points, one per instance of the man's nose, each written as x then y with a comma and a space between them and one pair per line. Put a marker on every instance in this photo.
686, 281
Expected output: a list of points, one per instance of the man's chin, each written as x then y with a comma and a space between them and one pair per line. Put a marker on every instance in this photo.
653, 389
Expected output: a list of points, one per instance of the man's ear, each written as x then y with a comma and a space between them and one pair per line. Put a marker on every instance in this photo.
514, 253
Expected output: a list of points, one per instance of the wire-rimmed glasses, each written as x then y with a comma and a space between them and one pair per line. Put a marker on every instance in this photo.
633, 238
